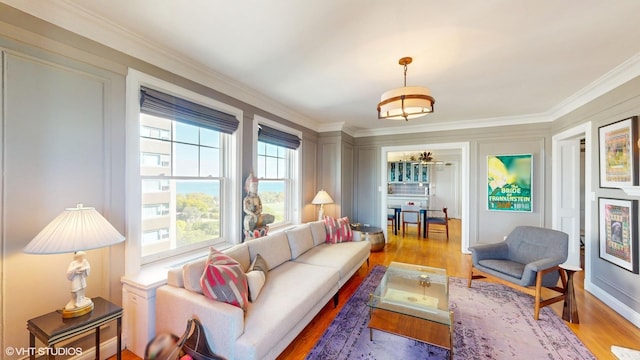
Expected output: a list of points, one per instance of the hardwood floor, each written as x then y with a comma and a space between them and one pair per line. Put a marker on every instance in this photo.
599, 328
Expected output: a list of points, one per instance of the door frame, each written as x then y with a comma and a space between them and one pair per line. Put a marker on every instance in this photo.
580, 131
465, 189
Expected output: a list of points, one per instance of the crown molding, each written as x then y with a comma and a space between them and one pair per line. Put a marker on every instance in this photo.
614, 78
79, 20
456, 125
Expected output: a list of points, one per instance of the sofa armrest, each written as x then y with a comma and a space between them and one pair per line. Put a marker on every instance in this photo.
533, 268
223, 323
499, 251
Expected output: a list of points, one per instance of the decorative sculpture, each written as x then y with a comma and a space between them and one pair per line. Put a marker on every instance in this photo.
255, 222
77, 273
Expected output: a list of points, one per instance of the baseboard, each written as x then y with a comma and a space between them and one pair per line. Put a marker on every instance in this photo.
107, 349
615, 304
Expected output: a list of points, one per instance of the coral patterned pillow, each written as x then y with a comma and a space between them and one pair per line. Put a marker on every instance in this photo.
223, 280
338, 230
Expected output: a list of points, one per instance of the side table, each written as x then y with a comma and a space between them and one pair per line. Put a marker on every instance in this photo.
51, 328
374, 235
570, 308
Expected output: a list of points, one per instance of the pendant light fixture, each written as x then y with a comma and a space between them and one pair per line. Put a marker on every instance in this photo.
407, 102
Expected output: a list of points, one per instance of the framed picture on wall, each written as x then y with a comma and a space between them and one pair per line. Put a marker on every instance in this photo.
618, 144
618, 221
509, 182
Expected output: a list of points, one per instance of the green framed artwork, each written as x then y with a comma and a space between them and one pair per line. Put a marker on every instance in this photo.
509, 182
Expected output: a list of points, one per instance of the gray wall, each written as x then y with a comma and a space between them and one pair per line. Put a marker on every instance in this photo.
484, 226
64, 142
615, 105
335, 172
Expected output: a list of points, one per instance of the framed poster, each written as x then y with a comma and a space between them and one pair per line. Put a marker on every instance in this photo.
619, 153
618, 221
509, 182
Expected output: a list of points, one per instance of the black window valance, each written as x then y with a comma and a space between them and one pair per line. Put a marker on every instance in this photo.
156, 103
277, 137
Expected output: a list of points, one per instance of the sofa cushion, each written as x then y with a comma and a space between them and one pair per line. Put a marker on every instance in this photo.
338, 230
293, 289
342, 257
256, 280
192, 273
256, 277
240, 253
273, 248
224, 280
319, 232
507, 267
300, 240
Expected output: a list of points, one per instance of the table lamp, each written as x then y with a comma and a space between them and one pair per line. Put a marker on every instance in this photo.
74, 230
322, 197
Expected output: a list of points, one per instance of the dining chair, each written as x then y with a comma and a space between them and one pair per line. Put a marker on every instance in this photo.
442, 220
391, 217
410, 215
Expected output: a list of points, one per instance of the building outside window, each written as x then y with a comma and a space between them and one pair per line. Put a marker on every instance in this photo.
277, 166
184, 175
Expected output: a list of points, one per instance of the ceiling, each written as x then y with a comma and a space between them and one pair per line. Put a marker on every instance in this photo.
326, 62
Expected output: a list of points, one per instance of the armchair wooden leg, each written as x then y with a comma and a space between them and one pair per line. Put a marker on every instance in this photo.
536, 308
563, 277
470, 272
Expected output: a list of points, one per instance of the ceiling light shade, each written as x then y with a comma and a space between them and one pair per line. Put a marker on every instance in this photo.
407, 102
75, 229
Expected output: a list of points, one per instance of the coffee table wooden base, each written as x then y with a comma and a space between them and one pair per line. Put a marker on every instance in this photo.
426, 331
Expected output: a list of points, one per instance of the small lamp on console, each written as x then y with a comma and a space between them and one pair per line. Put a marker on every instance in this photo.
74, 230
322, 197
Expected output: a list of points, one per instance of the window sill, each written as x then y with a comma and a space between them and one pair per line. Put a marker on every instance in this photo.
154, 274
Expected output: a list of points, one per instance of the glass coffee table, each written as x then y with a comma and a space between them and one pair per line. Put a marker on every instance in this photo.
413, 301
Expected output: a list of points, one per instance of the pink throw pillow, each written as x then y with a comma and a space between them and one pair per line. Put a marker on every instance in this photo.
223, 280
338, 230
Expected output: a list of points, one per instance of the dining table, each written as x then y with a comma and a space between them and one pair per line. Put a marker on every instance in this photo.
397, 210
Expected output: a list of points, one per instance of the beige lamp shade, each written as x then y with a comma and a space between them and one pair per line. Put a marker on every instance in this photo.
75, 229
405, 103
322, 197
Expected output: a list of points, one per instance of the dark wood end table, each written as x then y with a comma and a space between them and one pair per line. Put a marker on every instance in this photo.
570, 307
51, 328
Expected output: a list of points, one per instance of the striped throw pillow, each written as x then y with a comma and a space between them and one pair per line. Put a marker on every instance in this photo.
223, 280
338, 230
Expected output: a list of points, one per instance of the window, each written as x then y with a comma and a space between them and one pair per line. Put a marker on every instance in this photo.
188, 161
277, 168
186, 176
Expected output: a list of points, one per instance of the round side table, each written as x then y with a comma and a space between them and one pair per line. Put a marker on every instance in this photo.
373, 235
570, 308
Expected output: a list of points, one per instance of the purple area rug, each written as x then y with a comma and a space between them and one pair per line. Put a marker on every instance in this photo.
492, 321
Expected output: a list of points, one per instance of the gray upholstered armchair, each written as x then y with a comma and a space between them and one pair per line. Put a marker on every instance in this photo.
527, 261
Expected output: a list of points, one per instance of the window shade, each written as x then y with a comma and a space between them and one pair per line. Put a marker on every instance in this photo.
276, 137
156, 103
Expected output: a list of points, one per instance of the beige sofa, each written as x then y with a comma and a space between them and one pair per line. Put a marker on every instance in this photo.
304, 274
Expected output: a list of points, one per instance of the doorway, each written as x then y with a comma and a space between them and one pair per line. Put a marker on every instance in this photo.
461, 176
572, 194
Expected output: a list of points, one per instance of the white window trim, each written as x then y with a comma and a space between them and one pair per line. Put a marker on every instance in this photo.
295, 203
232, 201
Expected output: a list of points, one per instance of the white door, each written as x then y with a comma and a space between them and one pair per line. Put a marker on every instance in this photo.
445, 189
567, 193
